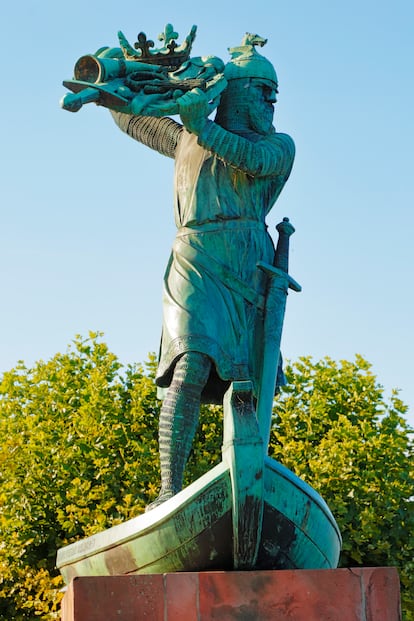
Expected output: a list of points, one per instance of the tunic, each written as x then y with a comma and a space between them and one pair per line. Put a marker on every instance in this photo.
214, 294
213, 291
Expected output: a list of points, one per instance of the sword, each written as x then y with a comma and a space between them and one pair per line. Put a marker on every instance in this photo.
279, 282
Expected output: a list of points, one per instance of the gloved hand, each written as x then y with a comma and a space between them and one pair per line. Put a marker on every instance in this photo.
194, 110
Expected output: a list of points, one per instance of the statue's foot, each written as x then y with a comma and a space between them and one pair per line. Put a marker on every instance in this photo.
158, 501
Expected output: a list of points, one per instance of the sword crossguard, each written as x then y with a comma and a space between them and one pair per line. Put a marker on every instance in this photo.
275, 272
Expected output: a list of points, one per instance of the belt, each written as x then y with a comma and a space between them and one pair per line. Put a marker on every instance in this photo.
220, 225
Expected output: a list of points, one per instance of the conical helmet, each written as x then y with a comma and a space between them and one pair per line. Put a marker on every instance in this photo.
246, 62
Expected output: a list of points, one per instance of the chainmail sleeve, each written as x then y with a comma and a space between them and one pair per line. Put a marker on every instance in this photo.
161, 134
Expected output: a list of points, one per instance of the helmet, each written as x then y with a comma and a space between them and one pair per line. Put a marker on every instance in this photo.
247, 63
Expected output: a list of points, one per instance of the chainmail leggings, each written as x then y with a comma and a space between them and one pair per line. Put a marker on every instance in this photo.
179, 419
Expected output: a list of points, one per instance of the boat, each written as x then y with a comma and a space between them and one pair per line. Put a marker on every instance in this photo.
249, 512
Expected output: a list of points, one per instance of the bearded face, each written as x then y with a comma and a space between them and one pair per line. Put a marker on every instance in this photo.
262, 97
247, 106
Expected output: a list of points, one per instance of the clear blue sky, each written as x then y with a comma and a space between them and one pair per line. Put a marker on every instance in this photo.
87, 222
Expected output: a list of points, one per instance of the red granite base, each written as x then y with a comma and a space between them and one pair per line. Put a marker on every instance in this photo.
369, 594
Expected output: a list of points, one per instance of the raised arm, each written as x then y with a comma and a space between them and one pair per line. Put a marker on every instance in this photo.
272, 156
161, 134
268, 155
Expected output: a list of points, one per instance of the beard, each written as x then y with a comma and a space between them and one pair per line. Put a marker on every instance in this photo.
261, 118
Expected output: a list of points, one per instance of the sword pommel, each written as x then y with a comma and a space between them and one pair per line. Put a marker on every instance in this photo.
285, 227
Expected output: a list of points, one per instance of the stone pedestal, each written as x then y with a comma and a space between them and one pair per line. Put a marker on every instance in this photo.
369, 594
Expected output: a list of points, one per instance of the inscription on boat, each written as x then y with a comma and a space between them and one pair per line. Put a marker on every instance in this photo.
208, 508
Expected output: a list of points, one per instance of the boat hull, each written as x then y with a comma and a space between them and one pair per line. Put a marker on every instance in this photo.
194, 531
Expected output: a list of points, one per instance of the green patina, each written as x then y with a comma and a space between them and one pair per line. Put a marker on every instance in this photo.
224, 293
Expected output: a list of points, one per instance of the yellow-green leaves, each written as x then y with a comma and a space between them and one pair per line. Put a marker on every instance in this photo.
79, 453
333, 427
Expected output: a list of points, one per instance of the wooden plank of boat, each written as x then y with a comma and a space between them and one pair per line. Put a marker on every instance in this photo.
245, 513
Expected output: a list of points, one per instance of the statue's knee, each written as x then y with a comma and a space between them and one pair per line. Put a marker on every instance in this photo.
193, 367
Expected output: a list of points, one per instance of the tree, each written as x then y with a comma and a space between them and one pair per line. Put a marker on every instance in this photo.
80, 454
334, 429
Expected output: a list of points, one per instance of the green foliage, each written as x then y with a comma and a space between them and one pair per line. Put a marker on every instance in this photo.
333, 428
80, 454
206, 451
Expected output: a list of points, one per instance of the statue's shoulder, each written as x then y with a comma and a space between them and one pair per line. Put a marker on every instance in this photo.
282, 140
283, 146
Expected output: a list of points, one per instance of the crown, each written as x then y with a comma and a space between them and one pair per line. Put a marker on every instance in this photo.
170, 55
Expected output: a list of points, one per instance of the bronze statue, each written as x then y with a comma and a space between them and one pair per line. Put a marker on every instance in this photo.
224, 301
228, 175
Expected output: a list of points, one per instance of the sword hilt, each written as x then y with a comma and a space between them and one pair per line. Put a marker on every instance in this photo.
285, 230
280, 267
